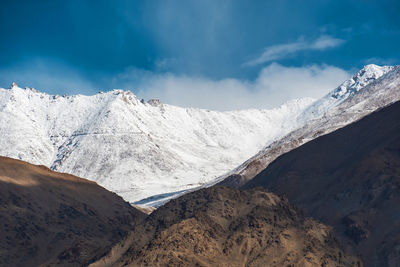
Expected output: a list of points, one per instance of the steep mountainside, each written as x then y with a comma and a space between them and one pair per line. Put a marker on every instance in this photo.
131, 147
49, 218
349, 179
221, 226
371, 88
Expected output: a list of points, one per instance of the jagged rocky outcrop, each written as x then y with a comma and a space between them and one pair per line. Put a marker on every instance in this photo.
155, 102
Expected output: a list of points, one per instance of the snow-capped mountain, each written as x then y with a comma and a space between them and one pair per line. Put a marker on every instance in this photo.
373, 87
141, 149
135, 148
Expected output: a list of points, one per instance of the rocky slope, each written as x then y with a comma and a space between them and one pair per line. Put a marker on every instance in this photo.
49, 218
349, 179
221, 226
371, 88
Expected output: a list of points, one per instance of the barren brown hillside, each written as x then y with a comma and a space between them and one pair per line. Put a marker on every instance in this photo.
222, 226
49, 218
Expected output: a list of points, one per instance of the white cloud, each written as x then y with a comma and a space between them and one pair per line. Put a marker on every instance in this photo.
325, 41
274, 85
280, 51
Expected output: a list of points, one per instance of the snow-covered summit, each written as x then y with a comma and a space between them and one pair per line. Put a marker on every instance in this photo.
361, 79
347, 89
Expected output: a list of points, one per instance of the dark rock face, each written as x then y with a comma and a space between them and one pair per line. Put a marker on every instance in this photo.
221, 226
354, 230
349, 179
49, 218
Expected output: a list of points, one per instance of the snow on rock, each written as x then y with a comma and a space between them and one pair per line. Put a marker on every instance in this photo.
134, 148
347, 89
154, 102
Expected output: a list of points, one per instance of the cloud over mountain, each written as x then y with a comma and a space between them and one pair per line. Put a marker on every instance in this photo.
274, 85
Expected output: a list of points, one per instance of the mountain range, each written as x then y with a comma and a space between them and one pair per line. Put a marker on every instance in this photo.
154, 151
323, 191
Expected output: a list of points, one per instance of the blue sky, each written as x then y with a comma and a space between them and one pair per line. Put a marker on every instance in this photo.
211, 54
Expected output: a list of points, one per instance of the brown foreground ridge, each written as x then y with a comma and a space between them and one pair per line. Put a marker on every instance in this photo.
349, 179
56, 219
222, 226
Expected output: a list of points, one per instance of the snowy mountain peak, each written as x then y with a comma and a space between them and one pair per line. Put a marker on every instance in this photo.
362, 78
346, 90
